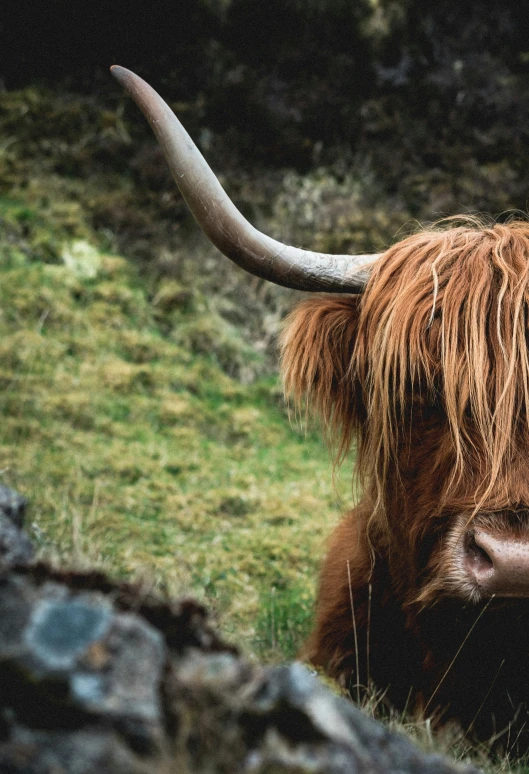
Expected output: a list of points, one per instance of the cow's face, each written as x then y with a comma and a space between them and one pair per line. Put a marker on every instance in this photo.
429, 373
442, 372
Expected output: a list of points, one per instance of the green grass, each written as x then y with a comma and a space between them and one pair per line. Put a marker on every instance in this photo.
148, 459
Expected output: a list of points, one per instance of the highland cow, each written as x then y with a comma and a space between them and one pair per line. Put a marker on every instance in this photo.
424, 367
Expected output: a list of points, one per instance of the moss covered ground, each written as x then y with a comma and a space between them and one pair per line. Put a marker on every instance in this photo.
146, 458
142, 412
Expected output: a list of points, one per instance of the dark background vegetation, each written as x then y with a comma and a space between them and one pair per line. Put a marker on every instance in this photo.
432, 95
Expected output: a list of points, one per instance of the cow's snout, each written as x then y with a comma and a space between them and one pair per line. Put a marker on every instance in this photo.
498, 564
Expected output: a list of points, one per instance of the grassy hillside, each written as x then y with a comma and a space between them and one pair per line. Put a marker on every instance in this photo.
139, 453
142, 414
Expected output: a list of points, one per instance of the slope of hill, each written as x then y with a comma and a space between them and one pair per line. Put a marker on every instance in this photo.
124, 424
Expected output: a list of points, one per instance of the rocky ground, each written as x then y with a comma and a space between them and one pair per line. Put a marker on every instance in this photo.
103, 676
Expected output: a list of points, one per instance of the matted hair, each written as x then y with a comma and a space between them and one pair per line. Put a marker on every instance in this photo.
444, 317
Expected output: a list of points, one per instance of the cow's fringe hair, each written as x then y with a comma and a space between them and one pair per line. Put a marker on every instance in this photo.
317, 349
444, 318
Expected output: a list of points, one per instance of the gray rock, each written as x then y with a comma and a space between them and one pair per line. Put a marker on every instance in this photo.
82, 659
90, 751
12, 505
97, 676
283, 719
15, 546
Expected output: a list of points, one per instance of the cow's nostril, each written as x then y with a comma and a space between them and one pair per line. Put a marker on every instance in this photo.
497, 564
476, 554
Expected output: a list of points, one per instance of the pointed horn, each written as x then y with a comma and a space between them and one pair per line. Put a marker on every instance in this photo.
221, 221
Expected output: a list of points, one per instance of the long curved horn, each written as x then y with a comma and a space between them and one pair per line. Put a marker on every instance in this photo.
221, 221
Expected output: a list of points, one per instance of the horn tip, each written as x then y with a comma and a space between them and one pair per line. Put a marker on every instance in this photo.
121, 73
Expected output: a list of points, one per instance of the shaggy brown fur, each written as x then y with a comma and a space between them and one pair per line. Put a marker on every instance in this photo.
428, 373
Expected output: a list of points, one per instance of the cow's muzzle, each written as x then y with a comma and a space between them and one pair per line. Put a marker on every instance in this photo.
497, 564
